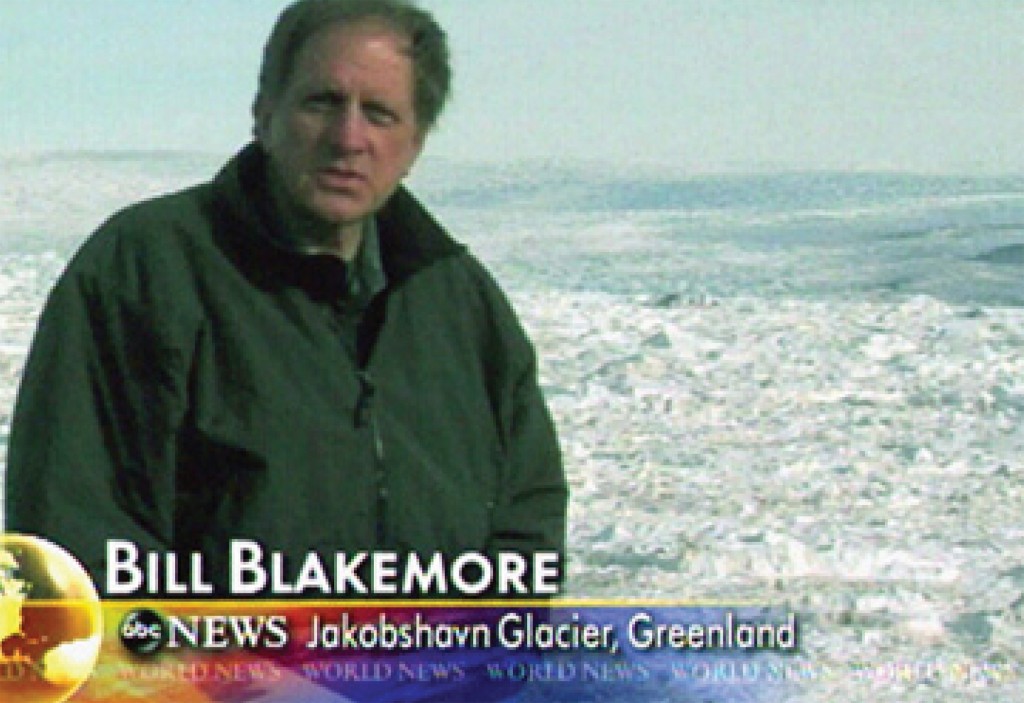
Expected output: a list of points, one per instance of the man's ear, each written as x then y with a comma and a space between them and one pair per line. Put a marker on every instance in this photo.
261, 112
419, 141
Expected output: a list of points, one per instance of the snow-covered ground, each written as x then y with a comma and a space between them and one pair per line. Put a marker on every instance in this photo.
800, 391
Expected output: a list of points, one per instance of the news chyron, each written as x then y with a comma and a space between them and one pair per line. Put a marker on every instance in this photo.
255, 572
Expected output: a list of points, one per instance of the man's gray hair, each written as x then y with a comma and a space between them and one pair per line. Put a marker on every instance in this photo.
428, 47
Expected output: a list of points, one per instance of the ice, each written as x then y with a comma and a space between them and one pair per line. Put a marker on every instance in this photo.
817, 454
798, 391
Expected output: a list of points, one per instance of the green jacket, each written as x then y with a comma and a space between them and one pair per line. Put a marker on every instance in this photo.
189, 383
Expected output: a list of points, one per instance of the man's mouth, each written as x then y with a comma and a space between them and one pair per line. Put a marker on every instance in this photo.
340, 177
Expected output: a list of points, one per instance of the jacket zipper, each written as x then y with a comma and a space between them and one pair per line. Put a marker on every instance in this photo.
366, 416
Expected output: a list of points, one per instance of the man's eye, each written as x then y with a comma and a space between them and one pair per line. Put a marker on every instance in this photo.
320, 103
380, 115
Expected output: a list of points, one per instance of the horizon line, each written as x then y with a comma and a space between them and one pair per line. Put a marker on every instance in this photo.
677, 169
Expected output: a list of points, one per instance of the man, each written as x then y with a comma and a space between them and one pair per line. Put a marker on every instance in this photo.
294, 353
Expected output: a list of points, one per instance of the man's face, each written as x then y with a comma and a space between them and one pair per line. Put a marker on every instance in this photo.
342, 132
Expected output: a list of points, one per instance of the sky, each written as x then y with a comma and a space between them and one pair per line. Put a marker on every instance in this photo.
703, 85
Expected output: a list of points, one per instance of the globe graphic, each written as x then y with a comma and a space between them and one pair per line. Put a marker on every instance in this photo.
50, 621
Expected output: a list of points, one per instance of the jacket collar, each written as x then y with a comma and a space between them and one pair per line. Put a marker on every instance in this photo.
410, 238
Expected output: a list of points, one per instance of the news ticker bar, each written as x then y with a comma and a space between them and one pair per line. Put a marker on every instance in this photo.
419, 651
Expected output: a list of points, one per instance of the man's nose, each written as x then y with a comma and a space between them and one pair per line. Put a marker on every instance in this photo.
348, 129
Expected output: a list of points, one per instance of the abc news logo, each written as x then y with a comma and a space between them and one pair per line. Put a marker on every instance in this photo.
146, 632
143, 632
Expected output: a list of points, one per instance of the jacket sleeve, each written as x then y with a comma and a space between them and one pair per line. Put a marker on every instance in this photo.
91, 454
531, 517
